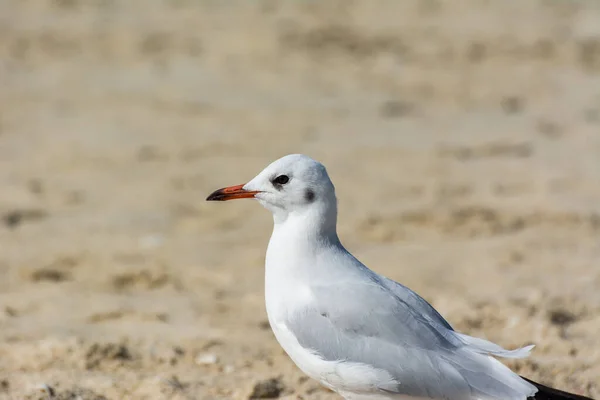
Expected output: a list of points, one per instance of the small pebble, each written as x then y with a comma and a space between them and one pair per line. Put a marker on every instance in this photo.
206, 359
267, 389
47, 390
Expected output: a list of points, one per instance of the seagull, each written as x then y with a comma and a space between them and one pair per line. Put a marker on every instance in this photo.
358, 333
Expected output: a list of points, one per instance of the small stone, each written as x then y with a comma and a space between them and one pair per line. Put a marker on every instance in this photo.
561, 317
206, 359
47, 390
267, 389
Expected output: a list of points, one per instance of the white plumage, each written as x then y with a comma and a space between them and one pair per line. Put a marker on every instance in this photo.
357, 332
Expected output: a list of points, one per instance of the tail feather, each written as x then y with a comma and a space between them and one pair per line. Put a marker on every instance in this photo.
548, 393
483, 346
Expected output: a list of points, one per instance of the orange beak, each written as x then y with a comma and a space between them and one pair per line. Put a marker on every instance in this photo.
231, 193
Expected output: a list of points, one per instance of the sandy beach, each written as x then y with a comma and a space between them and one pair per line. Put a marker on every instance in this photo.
463, 139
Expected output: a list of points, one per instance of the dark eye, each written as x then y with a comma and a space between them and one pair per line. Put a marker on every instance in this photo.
281, 180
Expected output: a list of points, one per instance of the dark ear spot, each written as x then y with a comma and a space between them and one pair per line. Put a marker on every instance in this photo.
309, 195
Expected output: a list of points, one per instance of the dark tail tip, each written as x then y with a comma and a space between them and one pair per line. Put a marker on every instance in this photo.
548, 393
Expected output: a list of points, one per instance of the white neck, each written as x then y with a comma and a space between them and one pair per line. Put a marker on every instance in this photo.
299, 236
315, 223
294, 257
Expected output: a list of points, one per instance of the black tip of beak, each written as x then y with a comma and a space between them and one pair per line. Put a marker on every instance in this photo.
231, 193
217, 195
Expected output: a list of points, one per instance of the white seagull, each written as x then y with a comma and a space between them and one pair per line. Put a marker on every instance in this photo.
358, 333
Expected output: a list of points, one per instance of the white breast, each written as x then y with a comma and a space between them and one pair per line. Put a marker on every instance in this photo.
287, 292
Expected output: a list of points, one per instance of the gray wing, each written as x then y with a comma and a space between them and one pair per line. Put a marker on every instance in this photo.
366, 322
415, 301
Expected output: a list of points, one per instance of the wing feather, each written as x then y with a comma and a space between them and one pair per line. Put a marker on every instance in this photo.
395, 330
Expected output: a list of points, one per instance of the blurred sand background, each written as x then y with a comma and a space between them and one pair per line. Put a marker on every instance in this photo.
463, 139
